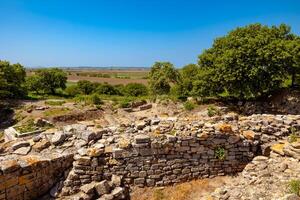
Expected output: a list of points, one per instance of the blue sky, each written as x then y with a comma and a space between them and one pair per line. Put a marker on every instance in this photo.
127, 32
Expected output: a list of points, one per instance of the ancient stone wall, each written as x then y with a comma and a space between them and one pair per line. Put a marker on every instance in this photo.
29, 177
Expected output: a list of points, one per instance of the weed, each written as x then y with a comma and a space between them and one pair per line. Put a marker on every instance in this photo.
188, 105
212, 111
220, 153
293, 136
56, 111
294, 186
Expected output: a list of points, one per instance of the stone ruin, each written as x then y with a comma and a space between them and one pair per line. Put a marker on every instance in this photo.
86, 162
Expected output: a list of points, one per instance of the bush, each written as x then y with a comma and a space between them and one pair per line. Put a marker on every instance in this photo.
220, 153
135, 89
188, 105
212, 111
293, 137
85, 87
125, 103
72, 90
107, 89
95, 99
294, 187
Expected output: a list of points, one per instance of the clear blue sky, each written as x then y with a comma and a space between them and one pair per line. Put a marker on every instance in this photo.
127, 32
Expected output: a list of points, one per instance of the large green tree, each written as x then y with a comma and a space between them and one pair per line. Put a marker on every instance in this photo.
161, 76
188, 74
52, 79
12, 78
248, 62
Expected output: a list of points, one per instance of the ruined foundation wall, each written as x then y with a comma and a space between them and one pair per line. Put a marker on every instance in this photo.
29, 177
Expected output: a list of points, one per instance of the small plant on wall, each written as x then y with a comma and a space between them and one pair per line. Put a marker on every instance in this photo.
220, 153
294, 187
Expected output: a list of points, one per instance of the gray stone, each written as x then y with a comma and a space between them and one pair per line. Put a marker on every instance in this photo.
117, 192
58, 138
88, 135
18, 145
102, 188
116, 180
88, 188
23, 150
141, 139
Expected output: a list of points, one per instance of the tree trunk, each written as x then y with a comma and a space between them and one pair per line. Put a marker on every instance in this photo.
293, 79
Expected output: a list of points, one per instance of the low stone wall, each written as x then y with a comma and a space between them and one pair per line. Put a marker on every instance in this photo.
29, 177
154, 162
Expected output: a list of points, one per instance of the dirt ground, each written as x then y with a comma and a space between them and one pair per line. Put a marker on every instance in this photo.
193, 190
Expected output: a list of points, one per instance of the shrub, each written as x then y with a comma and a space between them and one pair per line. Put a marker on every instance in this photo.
220, 153
95, 99
135, 89
125, 103
188, 105
293, 137
212, 111
72, 90
294, 187
85, 87
107, 89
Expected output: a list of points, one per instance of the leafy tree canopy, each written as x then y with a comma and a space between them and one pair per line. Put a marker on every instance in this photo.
161, 75
248, 62
12, 78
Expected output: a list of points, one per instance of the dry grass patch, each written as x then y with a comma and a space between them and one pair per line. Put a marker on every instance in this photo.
192, 190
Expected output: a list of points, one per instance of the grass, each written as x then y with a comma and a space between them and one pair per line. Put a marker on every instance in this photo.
55, 103
212, 111
294, 186
188, 105
27, 127
293, 137
56, 112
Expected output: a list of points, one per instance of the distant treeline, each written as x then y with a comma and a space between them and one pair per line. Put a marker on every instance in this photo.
248, 63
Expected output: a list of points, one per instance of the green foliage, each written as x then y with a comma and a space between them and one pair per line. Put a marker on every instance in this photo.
212, 111
29, 126
95, 99
294, 187
125, 103
249, 62
55, 102
88, 99
188, 105
49, 80
34, 83
293, 137
85, 87
189, 75
161, 75
135, 89
72, 90
220, 153
12, 79
107, 89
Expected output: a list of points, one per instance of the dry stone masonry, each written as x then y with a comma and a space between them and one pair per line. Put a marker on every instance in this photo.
103, 163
